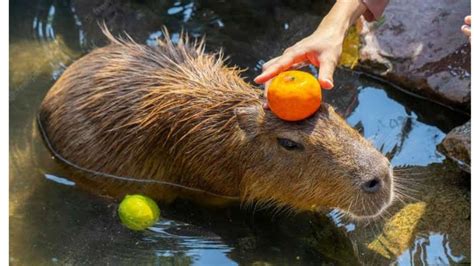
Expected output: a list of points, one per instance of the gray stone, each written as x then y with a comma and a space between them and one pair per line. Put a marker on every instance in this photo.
419, 46
457, 146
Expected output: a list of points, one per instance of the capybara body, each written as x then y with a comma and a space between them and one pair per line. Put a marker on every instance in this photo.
173, 113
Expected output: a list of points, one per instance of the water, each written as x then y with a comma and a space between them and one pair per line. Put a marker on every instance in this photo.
52, 221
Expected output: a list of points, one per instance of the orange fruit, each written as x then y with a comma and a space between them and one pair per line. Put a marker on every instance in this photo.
294, 95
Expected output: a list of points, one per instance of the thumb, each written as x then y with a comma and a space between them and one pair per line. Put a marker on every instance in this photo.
326, 71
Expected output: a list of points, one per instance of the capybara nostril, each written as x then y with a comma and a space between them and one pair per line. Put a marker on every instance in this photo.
372, 185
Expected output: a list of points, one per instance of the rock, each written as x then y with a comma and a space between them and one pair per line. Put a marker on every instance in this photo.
31, 60
419, 46
457, 146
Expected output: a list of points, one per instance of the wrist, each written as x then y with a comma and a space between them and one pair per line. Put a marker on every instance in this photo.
342, 15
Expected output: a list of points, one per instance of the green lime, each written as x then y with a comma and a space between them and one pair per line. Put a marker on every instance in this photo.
138, 212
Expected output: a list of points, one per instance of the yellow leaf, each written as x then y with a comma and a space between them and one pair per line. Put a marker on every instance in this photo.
350, 48
398, 232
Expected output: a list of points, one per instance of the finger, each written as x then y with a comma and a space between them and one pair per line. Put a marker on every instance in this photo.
281, 64
326, 72
294, 66
300, 65
265, 92
467, 20
270, 62
313, 58
286, 51
466, 30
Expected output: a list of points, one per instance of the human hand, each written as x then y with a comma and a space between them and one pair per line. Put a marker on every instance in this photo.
466, 28
322, 48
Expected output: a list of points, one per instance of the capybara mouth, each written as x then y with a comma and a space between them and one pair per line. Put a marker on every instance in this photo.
370, 206
369, 197
369, 213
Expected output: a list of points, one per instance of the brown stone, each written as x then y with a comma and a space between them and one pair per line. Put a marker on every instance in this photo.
457, 146
419, 46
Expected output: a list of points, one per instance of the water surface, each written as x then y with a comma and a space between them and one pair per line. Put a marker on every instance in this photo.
52, 221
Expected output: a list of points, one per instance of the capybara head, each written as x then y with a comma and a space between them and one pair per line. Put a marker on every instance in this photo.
176, 115
318, 162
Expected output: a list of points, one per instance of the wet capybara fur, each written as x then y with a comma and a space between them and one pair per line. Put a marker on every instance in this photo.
173, 113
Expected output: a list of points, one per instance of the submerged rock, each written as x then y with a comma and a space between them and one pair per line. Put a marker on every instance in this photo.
30, 60
457, 146
421, 47
398, 231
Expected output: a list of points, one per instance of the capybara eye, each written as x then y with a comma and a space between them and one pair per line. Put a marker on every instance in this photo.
289, 144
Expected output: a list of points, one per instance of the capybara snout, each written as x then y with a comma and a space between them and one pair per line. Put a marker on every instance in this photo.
318, 162
179, 115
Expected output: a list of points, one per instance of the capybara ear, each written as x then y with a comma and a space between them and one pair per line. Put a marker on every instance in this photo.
249, 119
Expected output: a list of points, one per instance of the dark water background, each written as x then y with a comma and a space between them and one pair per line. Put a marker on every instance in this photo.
54, 222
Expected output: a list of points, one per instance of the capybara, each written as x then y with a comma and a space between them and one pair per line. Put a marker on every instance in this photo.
177, 115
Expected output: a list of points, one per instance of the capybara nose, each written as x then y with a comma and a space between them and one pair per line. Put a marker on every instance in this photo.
373, 185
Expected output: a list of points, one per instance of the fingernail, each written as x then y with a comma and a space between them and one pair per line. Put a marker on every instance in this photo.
329, 84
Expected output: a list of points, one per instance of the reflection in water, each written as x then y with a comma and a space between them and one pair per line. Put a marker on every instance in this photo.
60, 180
54, 221
395, 130
78, 23
32, 60
434, 243
398, 231
202, 249
186, 10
